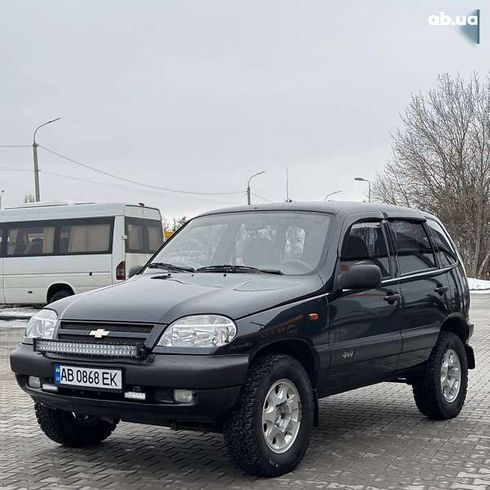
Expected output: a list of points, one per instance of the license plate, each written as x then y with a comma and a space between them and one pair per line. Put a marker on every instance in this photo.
106, 379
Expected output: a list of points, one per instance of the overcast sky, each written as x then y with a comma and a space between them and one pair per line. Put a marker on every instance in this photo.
197, 95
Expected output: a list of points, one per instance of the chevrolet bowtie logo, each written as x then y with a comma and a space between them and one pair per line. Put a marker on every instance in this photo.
99, 333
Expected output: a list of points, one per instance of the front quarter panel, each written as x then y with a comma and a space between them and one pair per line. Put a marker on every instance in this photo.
292, 323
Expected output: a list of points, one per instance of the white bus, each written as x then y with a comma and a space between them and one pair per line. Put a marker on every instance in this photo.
52, 250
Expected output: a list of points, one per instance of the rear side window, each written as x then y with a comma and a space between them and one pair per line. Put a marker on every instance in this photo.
85, 238
155, 237
365, 242
136, 237
30, 240
144, 236
413, 247
444, 251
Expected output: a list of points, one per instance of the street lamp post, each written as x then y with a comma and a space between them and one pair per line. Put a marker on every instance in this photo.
331, 194
362, 179
249, 195
34, 154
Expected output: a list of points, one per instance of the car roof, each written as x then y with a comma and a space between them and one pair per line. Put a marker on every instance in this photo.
341, 208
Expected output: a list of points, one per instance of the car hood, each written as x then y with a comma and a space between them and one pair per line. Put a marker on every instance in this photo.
163, 298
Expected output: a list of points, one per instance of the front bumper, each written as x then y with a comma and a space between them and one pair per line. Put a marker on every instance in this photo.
215, 380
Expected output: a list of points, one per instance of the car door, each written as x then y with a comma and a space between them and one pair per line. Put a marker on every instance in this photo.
365, 338
423, 287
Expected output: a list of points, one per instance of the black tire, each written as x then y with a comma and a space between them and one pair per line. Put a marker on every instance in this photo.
72, 430
427, 389
243, 430
62, 293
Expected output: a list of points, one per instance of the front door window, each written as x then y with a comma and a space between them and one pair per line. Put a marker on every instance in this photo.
366, 243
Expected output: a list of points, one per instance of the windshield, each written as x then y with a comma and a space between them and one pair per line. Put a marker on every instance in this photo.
289, 242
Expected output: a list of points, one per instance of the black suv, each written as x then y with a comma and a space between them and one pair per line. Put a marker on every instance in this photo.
248, 316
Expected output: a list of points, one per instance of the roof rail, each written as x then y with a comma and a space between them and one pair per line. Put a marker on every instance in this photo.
48, 203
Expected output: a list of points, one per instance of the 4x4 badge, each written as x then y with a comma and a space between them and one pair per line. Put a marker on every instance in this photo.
348, 355
99, 333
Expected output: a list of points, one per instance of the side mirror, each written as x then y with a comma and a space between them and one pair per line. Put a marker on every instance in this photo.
136, 269
361, 276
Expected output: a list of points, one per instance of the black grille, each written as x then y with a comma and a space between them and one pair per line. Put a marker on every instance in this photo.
117, 333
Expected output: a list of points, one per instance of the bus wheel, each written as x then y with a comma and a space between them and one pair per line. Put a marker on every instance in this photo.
60, 294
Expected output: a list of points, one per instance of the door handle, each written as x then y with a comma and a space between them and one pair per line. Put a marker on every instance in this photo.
441, 289
392, 297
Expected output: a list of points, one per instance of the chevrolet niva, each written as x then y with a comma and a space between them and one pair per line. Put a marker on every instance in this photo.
248, 316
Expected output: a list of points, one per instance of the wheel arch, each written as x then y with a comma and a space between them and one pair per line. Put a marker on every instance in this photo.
456, 324
298, 348
301, 350
56, 287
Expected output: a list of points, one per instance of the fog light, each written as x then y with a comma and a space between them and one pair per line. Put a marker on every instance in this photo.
34, 382
135, 395
50, 387
183, 396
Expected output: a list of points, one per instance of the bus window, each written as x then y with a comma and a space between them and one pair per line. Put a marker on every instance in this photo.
30, 240
85, 238
155, 237
136, 237
143, 235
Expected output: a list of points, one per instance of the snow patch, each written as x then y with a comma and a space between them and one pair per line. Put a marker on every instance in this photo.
20, 313
478, 285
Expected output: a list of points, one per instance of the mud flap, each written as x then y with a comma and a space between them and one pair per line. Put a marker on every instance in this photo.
471, 357
316, 411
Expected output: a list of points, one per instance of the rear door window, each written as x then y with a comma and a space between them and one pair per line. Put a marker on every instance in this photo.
364, 243
445, 252
414, 250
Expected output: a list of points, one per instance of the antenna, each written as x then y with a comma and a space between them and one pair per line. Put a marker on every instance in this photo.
287, 185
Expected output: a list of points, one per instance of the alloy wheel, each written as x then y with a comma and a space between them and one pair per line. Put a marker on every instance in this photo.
281, 416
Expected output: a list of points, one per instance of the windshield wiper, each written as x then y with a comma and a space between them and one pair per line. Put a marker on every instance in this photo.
170, 267
237, 268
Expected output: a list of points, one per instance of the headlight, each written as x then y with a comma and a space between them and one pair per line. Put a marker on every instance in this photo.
199, 331
42, 325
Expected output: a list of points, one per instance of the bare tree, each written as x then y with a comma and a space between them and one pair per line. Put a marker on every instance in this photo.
441, 163
178, 222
